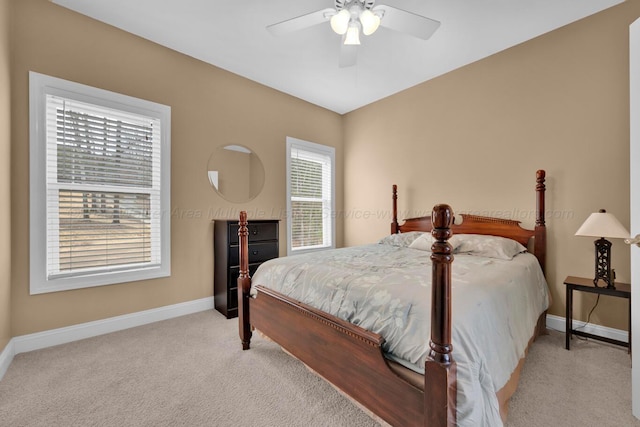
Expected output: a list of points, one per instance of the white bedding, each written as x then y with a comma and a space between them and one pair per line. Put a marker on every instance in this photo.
386, 289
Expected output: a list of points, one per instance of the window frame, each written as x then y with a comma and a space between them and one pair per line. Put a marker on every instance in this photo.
329, 223
40, 86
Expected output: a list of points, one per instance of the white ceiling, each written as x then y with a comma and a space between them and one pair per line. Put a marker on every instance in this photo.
231, 35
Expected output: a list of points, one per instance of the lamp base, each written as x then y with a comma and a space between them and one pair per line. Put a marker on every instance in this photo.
603, 264
607, 285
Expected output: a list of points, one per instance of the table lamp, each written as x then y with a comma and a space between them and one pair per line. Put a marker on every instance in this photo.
604, 225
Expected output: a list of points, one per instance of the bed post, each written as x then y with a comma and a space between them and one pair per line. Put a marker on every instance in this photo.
540, 231
440, 368
244, 283
394, 197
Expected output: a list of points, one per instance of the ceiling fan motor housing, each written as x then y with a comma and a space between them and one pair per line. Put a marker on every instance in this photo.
346, 4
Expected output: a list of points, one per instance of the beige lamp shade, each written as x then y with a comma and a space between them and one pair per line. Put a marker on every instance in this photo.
603, 224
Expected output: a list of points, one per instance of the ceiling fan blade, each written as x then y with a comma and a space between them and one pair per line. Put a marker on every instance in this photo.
300, 22
407, 22
348, 55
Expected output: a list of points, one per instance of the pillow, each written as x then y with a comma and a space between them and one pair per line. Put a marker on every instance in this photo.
401, 240
488, 246
424, 242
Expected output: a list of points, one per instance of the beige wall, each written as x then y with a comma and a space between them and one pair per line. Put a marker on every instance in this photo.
5, 176
474, 138
210, 107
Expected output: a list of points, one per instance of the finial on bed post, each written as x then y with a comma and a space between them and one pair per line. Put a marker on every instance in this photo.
440, 368
244, 283
394, 197
540, 239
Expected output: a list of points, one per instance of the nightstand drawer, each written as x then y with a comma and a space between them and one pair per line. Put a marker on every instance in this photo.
258, 252
258, 232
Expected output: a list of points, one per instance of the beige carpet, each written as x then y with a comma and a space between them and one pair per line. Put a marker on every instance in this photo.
587, 386
190, 371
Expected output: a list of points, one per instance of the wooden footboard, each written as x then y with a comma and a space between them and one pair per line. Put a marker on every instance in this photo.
346, 355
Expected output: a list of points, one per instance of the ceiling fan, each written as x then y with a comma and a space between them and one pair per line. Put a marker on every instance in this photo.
349, 17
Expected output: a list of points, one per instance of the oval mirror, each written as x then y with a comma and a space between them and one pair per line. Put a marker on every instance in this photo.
236, 173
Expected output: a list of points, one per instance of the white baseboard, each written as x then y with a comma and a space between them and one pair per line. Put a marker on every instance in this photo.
6, 357
559, 324
39, 340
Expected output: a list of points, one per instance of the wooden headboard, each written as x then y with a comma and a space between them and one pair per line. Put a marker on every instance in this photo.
475, 224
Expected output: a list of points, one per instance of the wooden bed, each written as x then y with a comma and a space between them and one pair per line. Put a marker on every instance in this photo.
352, 358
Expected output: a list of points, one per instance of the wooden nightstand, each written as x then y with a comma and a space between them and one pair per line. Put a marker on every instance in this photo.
622, 290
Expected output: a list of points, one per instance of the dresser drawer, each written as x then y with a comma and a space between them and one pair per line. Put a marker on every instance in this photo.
258, 252
258, 232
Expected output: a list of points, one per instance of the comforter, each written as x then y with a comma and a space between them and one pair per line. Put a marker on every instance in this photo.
386, 289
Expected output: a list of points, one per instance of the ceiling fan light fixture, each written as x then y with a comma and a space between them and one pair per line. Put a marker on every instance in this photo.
353, 34
340, 21
370, 22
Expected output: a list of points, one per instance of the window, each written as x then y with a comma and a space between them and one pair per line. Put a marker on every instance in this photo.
310, 196
99, 186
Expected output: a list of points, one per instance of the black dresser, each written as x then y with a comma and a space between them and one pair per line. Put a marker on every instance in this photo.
263, 246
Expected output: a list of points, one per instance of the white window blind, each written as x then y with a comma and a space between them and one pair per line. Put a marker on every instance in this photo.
311, 195
104, 191
101, 187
